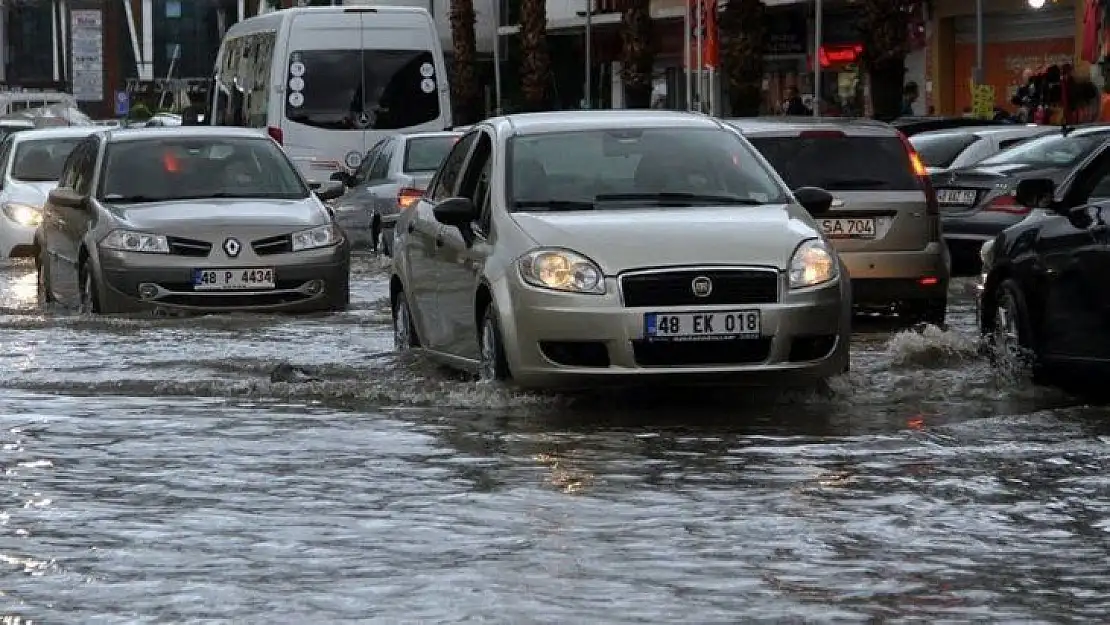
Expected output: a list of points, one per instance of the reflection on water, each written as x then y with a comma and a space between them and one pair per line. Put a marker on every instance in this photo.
152, 471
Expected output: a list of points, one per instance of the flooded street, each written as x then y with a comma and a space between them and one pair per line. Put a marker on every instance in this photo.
152, 472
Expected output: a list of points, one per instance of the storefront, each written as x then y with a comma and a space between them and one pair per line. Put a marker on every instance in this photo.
786, 45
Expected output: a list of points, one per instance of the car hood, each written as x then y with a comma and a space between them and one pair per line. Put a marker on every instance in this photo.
170, 216
620, 240
33, 193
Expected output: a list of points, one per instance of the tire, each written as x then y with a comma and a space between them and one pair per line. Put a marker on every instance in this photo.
404, 330
376, 243
1009, 337
493, 367
339, 298
932, 312
42, 267
90, 293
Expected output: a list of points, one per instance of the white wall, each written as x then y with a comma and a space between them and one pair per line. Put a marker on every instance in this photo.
441, 10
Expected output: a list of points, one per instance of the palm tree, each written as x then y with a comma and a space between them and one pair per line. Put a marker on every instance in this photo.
535, 66
464, 83
637, 53
743, 30
884, 28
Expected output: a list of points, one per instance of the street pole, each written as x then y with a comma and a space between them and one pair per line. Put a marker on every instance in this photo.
701, 59
689, 62
497, 56
818, 18
589, 45
978, 75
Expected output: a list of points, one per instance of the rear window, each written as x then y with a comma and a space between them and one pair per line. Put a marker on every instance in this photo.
940, 150
426, 153
362, 89
41, 160
1055, 150
840, 163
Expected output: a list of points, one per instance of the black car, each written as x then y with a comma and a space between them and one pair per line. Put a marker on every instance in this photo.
910, 126
1044, 299
977, 202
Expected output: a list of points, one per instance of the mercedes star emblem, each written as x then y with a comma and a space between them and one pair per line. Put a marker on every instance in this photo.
233, 247
701, 286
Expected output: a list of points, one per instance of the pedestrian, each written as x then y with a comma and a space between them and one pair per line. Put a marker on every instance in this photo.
794, 104
910, 94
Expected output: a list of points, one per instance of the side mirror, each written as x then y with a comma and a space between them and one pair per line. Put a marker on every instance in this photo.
455, 211
813, 199
329, 190
343, 177
67, 198
1035, 192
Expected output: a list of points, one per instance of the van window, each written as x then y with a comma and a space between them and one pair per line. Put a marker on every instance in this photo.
390, 93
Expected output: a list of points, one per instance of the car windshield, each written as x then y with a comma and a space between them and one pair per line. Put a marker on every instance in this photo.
177, 168
628, 167
1055, 150
395, 89
837, 162
41, 160
939, 150
426, 153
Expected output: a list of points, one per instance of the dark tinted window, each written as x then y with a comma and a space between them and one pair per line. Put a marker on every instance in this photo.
1055, 150
361, 89
186, 168
840, 163
941, 150
426, 153
448, 176
41, 160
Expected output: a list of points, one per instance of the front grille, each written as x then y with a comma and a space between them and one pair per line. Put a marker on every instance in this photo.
273, 245
188, 247
675, 288
695, 353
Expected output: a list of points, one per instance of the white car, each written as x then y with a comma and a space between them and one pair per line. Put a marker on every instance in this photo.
953, 148
30, 165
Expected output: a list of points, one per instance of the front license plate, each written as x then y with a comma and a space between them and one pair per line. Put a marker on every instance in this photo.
233, 279
955, 197
738, 324
846, 228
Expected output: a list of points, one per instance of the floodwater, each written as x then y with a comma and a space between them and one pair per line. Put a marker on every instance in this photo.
152, 472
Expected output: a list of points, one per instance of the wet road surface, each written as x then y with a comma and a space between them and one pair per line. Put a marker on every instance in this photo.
152, 472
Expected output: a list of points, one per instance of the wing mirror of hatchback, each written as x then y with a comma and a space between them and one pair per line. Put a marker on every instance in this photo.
1035, 193
813, 199
455, 211
68, 198
330, 190
343, 177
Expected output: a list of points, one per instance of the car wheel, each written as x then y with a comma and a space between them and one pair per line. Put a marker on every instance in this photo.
339, 297
90, 298
492, 367
376, 235
42, 267
404, 330
1009, 337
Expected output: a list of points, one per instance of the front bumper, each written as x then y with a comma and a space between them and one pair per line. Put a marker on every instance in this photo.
558, 340
304, 281
889, 278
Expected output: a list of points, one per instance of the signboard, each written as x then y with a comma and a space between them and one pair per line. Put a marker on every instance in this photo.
87, 54
982, 101
123, 104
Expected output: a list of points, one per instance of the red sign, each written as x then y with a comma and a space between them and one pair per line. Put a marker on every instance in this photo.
838, 54
710, 40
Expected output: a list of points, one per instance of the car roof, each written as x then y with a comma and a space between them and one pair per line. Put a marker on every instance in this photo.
568, 121
791, 125
432, 134
116, 135
62, 132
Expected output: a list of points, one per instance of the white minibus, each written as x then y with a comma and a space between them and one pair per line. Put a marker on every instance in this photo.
329, 82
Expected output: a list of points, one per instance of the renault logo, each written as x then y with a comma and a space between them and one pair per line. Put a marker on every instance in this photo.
701, 286
233, 247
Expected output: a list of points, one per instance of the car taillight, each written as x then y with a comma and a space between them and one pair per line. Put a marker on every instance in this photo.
917, 166
408, 196
276, 134
1006, 204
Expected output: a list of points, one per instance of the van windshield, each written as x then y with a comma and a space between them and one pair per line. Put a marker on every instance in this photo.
395, 89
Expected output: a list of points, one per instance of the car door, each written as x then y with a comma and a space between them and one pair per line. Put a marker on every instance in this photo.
419, 252
68, 225
460, 261
1075, 268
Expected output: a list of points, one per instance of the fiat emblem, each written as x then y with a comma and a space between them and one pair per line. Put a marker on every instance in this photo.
233, 247
701, 286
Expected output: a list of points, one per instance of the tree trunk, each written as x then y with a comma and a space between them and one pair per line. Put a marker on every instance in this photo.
637, 54
884, 26
464, 83
742, 29
535, 66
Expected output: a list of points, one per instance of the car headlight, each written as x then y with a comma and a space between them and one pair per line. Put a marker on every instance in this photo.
561, 270
320, 236
813, 263
23, 214
131, 241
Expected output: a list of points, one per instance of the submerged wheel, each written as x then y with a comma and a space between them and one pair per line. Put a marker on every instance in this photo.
42, 267
404, 330
1009, 337
492, 367
90, 298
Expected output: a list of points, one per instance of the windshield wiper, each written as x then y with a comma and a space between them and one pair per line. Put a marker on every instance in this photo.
554, 205
677, 199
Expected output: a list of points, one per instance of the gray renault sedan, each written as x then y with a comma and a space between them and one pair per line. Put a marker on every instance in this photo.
586, 249
189, 219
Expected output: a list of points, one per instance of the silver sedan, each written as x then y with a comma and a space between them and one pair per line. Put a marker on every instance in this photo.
189, 219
